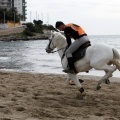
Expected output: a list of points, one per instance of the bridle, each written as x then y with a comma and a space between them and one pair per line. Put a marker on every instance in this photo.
50, 41
51, 50
53, 46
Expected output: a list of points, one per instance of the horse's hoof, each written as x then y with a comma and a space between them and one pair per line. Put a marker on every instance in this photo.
81, 90
81, 96
98, 87
84, 95
81, 81
107, 81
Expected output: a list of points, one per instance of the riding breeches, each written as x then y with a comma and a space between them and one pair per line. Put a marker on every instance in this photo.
75, 45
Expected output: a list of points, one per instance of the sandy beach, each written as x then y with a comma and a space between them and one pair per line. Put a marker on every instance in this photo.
36, 96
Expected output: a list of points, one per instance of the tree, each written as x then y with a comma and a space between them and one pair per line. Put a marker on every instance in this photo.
49, 27
38, 26
39, 22
30, 27
9, 14
2, 14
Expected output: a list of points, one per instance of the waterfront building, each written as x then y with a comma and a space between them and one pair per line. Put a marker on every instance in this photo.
6, 4
20, 6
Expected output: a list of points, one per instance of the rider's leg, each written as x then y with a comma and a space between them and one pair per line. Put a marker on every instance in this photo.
73, 47
70, 69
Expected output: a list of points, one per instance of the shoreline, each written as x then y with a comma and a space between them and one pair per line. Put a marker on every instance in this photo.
13, 34
82, 76
18, 38
7, 39
35, 96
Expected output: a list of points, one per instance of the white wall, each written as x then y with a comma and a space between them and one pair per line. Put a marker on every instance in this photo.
3, 26
18, 5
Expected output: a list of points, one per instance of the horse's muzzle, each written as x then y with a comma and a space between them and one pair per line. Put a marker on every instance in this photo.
48, 50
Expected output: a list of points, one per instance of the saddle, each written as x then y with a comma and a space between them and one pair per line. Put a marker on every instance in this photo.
81, 51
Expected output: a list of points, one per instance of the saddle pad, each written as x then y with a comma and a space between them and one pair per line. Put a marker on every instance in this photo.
79, 54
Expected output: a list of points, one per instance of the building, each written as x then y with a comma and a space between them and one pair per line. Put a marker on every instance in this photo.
6, 4
20, 6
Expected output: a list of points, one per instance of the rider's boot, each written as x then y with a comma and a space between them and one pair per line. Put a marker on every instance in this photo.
71, 68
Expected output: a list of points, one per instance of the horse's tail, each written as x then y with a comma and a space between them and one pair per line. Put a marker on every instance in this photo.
116, 58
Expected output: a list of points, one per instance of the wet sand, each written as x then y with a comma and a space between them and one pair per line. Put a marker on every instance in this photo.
36, 96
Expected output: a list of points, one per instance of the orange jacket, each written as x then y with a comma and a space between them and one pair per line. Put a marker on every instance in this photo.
76, 28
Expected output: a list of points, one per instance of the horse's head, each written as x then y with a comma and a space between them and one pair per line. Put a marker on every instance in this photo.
56, 40
50, 47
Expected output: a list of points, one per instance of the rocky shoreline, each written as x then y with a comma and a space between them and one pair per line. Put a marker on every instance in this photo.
16, 38
13, 34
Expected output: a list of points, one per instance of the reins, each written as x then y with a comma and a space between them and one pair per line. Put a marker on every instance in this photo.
56, 50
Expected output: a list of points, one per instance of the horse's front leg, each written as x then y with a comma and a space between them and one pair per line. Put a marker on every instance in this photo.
77, 83
69, 81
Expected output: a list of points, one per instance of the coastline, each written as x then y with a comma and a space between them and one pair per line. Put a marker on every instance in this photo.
35, 96
16, 38
12, 34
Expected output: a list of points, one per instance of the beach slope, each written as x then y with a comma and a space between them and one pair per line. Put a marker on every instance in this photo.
33, 96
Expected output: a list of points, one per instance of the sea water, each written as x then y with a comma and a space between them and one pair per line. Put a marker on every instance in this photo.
30, 56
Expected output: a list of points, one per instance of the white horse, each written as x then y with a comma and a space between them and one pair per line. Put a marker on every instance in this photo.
99, 57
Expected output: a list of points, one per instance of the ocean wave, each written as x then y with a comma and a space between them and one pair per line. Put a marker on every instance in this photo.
31, 56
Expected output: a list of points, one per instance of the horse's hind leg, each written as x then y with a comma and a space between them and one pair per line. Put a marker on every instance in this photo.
109, 70
107, 81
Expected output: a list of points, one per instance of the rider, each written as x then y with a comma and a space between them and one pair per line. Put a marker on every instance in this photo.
78, 34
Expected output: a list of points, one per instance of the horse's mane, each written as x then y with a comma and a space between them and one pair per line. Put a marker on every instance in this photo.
59, 35
60, 38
